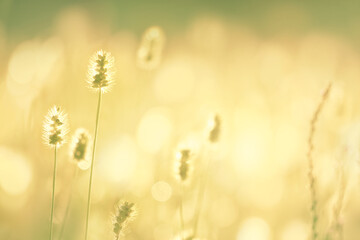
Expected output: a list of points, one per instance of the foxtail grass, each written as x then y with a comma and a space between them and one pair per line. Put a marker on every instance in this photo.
213, 135
311, 176
182, 174
150, 51
124, 214
55, 130
100, 79
79, 155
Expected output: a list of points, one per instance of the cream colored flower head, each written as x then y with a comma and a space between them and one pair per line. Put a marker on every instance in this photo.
101, 71
151, 47
55, 127
80, 148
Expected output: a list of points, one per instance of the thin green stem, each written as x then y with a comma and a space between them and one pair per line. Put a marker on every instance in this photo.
68, 204
92, 164
181, 212
53, 196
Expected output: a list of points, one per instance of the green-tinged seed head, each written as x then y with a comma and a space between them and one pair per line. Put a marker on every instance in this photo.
182, 164
80, 148
125, 213
55, 127
100, 75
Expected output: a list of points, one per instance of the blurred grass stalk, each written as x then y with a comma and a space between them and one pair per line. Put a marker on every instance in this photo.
213, 131
311, 176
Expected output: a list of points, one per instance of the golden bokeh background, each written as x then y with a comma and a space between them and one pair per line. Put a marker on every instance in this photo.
264, 77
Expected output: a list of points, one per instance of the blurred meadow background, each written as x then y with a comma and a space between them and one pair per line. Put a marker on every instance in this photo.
260, 65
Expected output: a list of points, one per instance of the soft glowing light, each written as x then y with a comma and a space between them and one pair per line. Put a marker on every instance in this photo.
295, 230
161, 191
175, 81
99, 188
264, 192
118, 159
254, 229
154, 130
15, 172
38, 62
250, 151
163, 231
228, 212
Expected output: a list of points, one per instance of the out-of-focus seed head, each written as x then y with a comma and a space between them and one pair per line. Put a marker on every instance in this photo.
55, 127
125, 213
183, 164
214, 128
101, 71
80, 148
151, 47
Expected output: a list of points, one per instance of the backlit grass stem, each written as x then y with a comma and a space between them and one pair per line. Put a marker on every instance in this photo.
53, 195
92, 164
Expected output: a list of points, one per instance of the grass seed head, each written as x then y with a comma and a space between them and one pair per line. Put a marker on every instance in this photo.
182, 164
80, 148
55, 127
214, 128
151, 47
101, 71
125, 213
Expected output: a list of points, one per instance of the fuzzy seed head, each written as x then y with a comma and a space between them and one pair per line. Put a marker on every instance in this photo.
101, 70
55, 127
80, 148
214, 128
182, 164
151, 47
124, 214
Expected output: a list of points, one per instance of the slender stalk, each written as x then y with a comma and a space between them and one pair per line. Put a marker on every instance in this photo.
311, 176
201, 195
68, 204
53, 196
92, 164
335, 230
181, 212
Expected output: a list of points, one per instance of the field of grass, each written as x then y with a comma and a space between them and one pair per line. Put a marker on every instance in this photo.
212, 131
